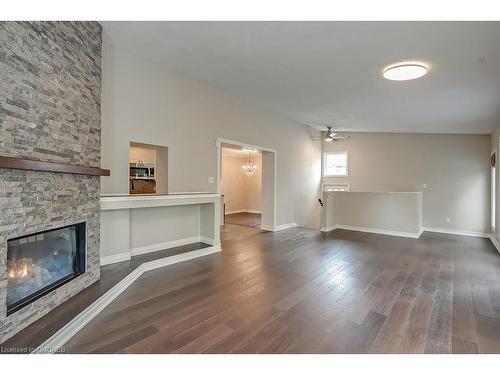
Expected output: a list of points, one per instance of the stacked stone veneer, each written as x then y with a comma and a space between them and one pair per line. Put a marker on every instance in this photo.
50, 109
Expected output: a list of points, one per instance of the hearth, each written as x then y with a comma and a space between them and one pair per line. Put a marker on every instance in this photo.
41, 262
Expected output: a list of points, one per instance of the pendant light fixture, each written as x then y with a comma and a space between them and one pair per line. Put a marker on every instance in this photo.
249, 168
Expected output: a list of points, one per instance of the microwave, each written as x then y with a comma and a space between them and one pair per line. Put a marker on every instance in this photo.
142, 171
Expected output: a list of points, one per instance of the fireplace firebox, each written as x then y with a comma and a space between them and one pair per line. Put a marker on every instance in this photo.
41, 262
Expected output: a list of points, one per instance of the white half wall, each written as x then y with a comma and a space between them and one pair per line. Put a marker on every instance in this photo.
134, 225
454, 167
385, 212
143, 102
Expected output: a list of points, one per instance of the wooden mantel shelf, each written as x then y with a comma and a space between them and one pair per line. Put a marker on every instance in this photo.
46, 166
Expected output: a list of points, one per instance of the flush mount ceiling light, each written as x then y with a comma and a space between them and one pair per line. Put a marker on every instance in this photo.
405, 71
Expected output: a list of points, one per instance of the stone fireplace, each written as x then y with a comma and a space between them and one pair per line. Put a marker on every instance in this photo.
50, 109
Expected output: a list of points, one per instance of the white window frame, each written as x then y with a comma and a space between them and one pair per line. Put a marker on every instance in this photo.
328, 184
326, 154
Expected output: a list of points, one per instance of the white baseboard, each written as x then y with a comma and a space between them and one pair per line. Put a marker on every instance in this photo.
285, 226
266, 227
457, 232
154, 247
110, 259
277, 228
373, 230
495, 243
207, 240
415, 235
62, 336
163, 245
247, 210
328, 228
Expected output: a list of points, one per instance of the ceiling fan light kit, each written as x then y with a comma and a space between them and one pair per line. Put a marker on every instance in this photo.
331, 136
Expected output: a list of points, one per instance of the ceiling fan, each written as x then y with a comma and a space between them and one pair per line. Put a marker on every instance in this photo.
331, 136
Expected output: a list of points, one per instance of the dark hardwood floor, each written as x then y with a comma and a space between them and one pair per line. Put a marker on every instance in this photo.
36, 333
301, 291
244, 218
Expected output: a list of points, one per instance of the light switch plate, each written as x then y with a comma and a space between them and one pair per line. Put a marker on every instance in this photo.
211, 180
424, 186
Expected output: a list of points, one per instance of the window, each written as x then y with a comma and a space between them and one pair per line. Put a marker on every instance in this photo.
335, 164
335, 187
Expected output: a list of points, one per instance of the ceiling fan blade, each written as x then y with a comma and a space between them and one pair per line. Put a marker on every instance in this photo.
341, 137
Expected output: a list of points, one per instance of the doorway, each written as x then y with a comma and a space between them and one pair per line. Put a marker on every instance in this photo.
241, 186
246, 181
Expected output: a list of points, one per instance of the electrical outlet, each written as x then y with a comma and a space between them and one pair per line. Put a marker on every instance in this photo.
447, 220
211, 180
424, 186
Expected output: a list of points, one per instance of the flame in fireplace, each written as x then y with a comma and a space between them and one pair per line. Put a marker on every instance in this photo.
18, 269
24, 272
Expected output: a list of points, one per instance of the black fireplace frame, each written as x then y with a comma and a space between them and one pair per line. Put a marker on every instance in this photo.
79, 266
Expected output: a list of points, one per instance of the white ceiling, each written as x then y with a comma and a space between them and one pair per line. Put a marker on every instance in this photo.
330, 72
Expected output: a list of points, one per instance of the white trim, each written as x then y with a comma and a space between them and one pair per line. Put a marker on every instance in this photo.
62, 336
277, 228
374, 230
268, 228
421, 230
457, 232
207, 240
372, 192
218, 145
239, 156
110, 259
244, 145
415, 235
158, 263
325, 184
495, 242
247, 210
146, 201
328, 228
163, 245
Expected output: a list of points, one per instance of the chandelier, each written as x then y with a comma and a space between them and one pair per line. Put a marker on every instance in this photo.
249, 168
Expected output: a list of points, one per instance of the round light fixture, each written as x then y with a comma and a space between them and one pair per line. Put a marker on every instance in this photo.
405, 71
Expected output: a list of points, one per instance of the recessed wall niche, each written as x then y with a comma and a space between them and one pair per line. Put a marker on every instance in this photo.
148, 169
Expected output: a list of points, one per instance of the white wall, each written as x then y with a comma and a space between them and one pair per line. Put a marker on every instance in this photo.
454, 167
142, 102
241, 192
